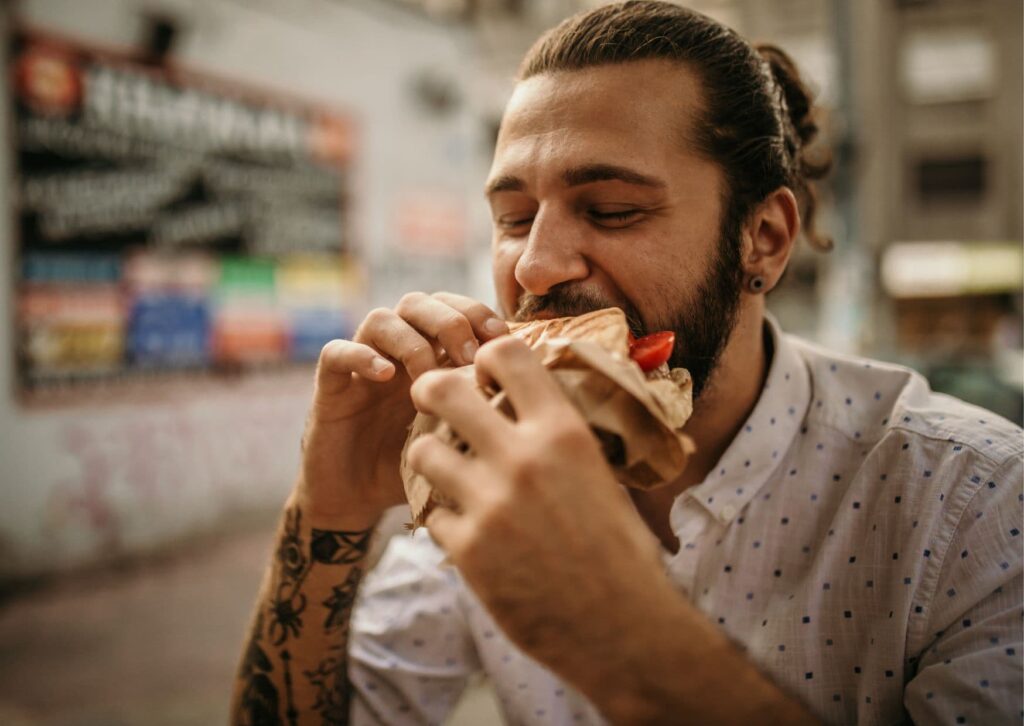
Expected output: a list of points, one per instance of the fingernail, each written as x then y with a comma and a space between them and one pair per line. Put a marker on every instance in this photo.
493, 326
469, 351
379, 365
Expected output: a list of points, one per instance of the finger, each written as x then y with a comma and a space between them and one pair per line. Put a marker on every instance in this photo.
516, 369
446, 528
438, 321
443, 467
486, 323
385, 331
339, 359
454, 398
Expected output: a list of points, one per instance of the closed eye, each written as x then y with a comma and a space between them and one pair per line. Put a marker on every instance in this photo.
513, 224
618, 218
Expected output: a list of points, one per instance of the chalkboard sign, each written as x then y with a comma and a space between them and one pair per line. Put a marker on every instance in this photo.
168, 221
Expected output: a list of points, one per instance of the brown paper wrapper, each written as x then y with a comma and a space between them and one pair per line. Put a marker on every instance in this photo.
638, 419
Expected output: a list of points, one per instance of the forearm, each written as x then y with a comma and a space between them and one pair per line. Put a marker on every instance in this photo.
674, 664
293, 668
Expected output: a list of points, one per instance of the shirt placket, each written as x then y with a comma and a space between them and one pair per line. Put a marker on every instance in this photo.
690, 522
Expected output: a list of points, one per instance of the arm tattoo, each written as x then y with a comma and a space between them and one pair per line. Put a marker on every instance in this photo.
333, 696
259, 701
288, 602
339, 604
330, 677
258, 704
291, 711
339, 548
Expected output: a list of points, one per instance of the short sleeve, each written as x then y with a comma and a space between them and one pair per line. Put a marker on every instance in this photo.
971, 672
410, 650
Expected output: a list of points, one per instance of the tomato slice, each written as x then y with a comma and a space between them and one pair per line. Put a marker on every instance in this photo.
652, 350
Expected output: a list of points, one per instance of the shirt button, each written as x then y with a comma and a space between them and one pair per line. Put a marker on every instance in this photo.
727, 513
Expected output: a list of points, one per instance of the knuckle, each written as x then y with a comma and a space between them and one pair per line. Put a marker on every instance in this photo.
420, 353
433, 386
484, 356
499, 349
465, 305
507, 345
376, 317
408, 301
488, 519
444, 296
488, 354
492, 511
526, 471
330, 347
417, 452
479, 311
337, 356
570, 436
455, 324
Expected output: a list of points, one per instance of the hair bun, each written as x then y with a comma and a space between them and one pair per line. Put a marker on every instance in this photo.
802, 115
798, 98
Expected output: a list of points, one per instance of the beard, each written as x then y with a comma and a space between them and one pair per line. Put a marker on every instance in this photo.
703, 324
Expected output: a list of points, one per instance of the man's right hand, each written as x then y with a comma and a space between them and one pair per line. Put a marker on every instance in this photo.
361, 406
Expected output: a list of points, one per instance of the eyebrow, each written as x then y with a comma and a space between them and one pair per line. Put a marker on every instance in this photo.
579, 175
506, 183
607, 172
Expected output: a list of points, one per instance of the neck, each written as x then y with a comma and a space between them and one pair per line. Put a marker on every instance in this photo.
727, 400
725, 404
718, 416
730, 396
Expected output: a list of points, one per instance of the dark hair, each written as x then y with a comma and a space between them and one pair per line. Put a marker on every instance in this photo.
759, 116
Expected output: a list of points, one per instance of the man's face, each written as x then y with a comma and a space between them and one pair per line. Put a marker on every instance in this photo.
599, 198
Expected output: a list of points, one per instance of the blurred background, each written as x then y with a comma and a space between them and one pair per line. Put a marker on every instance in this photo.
200, 193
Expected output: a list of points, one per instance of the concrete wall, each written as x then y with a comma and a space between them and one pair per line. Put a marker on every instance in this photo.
85, 484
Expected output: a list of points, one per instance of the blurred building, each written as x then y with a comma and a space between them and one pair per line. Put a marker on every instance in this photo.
157, 371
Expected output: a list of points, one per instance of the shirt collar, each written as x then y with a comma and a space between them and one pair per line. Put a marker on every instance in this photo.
758, 449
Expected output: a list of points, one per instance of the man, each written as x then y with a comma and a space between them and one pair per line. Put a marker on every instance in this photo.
844, 546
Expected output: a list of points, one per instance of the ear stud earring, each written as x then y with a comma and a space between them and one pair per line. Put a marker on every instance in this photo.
755, 284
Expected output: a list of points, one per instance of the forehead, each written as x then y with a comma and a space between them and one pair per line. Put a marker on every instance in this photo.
639, 112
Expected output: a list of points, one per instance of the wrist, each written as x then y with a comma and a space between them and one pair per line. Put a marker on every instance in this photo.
339, 514
627, 680
676, 661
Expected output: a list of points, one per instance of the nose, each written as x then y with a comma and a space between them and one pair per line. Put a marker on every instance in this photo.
553, 254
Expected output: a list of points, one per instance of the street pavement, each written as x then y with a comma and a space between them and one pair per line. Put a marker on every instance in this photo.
152, 643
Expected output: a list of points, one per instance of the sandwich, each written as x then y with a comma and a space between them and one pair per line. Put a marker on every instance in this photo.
635, 404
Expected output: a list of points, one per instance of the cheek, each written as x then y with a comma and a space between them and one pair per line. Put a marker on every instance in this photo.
504, 257
661, 279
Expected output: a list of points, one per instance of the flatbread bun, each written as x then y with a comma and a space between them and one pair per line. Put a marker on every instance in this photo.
638, 417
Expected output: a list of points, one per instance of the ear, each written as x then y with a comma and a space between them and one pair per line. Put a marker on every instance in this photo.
769, 235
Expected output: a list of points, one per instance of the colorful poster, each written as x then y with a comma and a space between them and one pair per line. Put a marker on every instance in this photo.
165, 219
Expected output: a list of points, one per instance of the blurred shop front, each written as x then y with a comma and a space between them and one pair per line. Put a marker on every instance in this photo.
202, 195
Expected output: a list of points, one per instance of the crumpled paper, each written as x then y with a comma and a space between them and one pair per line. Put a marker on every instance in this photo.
637, 418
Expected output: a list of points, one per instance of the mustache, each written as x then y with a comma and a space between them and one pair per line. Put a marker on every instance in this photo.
563, 301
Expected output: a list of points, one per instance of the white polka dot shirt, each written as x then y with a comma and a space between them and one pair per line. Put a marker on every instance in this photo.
860, 540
